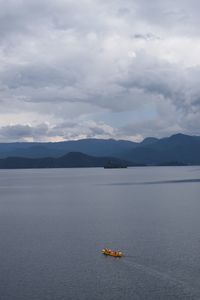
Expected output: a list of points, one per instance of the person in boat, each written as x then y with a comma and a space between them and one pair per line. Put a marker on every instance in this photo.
108, 250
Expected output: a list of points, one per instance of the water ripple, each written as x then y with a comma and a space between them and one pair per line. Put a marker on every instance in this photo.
195, 180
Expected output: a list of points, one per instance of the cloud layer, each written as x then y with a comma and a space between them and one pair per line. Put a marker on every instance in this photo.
91, 68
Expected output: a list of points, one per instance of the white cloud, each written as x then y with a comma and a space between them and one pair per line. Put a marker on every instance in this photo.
69, 60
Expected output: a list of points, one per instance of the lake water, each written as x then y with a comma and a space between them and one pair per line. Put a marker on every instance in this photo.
53, 224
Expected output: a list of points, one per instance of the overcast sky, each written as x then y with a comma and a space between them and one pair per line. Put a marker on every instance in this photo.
123, 69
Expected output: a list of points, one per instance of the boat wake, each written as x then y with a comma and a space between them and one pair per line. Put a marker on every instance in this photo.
132, 265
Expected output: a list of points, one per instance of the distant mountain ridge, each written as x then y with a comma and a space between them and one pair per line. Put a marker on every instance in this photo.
96, 147
178, 149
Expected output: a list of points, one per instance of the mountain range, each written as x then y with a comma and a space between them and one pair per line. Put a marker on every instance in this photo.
69, 160
178, 149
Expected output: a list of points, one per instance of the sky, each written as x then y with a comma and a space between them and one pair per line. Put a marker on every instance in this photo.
122, 69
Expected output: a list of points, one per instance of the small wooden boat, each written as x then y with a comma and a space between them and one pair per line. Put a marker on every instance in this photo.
106, 251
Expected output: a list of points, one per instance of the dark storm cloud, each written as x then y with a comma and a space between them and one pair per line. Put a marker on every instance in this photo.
22, 132
77, 60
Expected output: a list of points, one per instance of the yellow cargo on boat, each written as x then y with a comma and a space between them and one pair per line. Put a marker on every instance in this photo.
109, 252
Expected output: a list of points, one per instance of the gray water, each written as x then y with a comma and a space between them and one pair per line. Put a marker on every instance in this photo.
53, 224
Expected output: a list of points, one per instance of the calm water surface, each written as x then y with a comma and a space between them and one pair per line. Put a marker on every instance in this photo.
53, 224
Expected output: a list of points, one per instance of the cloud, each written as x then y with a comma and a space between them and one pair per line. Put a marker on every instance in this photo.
66, 60
64, 131
26, 132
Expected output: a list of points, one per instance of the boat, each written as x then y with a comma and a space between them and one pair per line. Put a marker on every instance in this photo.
109, 252
115, 165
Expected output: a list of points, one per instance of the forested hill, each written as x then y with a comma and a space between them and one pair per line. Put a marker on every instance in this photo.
70, 160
